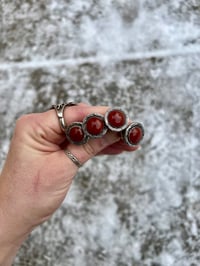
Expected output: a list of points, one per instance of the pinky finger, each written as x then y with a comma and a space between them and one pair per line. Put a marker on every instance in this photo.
118, 148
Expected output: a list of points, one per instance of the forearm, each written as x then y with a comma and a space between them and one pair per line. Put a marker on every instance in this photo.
12, 233
11, 238
7, 254
9, 245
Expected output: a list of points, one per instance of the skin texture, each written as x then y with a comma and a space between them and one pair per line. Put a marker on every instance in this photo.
37, 174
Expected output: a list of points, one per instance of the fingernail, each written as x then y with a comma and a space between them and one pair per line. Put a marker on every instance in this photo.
110, 138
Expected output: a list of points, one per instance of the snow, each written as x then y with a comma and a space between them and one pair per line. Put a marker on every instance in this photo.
133, 209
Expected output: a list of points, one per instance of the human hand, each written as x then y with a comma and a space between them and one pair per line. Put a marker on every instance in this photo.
37, 174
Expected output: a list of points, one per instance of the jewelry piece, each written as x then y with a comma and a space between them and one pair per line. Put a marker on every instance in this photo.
94, 126
75, 134
73, 158
60, 112
116, 119
133, 134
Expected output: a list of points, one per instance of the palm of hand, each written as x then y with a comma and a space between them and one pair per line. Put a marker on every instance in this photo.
37, 174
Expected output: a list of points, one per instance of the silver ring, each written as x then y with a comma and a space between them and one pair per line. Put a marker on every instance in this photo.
117, 127
82, 137
98, 134
60, 112
73, 158
126, 134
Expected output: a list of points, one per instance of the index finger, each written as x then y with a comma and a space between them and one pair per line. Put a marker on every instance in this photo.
71, 114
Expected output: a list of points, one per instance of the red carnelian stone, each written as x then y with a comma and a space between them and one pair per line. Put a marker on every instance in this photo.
76, 134
95, 126
116, 118
135, 135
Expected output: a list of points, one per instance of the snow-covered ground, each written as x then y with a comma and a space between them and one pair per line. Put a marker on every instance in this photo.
142, 55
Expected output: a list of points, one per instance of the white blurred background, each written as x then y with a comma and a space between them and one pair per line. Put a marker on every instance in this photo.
141, 209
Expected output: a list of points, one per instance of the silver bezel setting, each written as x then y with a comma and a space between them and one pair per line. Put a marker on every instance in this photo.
79, 124
116, 129
125, 133
85, 124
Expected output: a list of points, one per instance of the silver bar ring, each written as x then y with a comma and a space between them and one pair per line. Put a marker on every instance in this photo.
60, 112
73, 158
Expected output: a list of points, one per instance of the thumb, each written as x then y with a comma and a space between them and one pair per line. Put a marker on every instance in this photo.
94, 146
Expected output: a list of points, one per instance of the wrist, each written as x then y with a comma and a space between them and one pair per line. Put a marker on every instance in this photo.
10, 241
12, 232
7, 253
8, 248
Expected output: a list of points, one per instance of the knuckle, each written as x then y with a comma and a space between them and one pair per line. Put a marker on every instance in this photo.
89, 149
24, 119
23, 123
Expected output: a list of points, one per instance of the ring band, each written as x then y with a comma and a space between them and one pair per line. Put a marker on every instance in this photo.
60, 112
73, 158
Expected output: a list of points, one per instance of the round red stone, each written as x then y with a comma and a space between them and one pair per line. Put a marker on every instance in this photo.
135, 135
95, 125
116, 118
76, 134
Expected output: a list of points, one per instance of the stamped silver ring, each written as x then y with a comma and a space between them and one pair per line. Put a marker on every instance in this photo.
94, 126
133, 134
116, 119
73, 158
75, 134
60, 112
